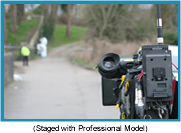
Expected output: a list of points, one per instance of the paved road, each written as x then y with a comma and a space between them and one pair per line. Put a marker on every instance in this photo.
54, 88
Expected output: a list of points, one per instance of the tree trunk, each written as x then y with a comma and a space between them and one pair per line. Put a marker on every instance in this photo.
68, 20
54, 10
20, 12
54, 13
45, 10
106, 17
5, 28
13, 17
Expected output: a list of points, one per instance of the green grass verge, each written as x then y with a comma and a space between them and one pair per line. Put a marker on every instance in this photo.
60, 35
36, 57
22, 33
88, 65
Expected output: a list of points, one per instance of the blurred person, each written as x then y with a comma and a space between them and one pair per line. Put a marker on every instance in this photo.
25, 52
43, 40
42, 50
38, 47
42, 47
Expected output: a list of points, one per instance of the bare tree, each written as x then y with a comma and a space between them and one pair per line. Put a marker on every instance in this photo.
5, 28
102, 17
13, 17
54, 10
20, 12
53, 14
68, 20
45, 10
106, 16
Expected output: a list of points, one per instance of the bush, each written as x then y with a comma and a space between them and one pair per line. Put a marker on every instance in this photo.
170, 37
120, 22
143, 29
48, 28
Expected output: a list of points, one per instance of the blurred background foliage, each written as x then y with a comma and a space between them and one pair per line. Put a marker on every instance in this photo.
112, 22
130, 22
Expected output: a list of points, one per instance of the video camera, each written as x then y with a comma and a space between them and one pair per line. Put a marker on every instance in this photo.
141, 88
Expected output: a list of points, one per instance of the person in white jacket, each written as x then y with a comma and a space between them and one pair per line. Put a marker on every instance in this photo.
43, 40
42, 47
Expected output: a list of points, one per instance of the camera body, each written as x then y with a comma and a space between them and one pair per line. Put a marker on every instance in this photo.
142, 88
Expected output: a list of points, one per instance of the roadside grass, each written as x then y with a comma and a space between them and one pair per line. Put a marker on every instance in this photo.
60, 38
36, 57
22, 33
88, 65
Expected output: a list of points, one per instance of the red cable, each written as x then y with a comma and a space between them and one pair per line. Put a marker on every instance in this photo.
174, 84
140, 76
175, 66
